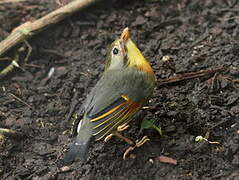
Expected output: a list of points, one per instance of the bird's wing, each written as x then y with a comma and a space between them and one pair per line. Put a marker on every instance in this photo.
114, 101
118, 113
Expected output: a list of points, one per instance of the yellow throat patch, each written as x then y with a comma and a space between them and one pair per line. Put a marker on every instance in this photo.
137, 59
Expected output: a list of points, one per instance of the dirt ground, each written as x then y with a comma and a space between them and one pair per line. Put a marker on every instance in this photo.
193, 35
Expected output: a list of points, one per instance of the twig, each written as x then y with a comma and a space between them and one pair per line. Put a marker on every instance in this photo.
235, 83
14, 62
204, 36
5, 59
21, 100
10, 1
29, 29
10, 133
9, 67
218, 124
29, 51
189, 75
168, 23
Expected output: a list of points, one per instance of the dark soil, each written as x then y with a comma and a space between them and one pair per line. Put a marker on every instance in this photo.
196, 35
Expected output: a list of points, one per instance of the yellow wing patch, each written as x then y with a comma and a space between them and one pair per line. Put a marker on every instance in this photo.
117, 115
107, 113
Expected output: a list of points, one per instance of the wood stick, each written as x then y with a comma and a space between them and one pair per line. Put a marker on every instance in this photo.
10, 1
10, 133
29, 29
189, 75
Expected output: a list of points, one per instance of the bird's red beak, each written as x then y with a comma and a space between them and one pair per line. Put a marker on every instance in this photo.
124, 39
125, 35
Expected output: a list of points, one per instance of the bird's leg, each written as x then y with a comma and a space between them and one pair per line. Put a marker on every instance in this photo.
119, 129
116, 133
135, 144
129, 141
138, 143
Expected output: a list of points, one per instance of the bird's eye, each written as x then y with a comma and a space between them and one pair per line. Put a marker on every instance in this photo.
115, 51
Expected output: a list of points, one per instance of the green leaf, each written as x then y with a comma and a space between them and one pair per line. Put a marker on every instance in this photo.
146, 124
200, 139
158, 129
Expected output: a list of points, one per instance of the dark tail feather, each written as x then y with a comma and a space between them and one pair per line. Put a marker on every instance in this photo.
77, 149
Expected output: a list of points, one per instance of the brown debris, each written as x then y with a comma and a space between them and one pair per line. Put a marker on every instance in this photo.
189, 75
166, 159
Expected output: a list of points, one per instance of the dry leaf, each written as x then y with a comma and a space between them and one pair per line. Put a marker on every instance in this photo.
169, 160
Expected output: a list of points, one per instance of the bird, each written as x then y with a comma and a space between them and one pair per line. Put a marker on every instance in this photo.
125, 86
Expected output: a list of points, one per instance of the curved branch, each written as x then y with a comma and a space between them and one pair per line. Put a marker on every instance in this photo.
28, 29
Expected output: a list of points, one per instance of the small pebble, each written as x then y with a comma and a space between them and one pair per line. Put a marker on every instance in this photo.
65, 169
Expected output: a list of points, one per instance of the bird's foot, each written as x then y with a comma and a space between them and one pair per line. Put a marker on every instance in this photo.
107, 138
122, 127
119, 129
138, 143
116, 133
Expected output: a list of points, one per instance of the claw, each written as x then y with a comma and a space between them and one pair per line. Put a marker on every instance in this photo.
131, 148
107, 138
122, 127
138, 143
116, 133
142, 141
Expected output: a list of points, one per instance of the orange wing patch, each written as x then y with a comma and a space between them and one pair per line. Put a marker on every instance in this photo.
117, 115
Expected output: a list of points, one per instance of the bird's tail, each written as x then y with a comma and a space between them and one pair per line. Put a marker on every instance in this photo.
80, 146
